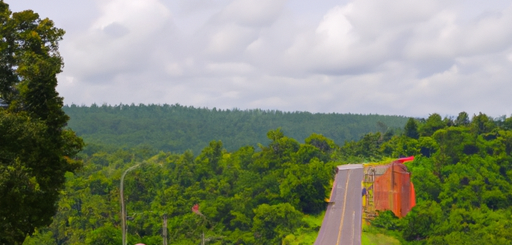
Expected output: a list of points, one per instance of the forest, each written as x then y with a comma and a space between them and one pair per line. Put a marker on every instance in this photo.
274, 193
177, 128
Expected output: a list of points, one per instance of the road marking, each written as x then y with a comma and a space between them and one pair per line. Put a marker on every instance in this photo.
344, 205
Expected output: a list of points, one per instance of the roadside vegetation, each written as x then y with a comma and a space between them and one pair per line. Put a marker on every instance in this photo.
274, 193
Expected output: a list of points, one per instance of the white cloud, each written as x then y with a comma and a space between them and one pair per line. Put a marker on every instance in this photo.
445, 35
252, 12
174, 69
362, 56
122, 39
230, 40
143, 16
230, 68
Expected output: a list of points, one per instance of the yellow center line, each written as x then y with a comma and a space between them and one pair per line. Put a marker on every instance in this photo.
344, 205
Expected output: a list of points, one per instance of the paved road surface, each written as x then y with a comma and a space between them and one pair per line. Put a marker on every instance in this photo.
342, 221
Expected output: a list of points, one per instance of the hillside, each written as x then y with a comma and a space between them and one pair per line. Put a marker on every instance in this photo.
274, 194
177, 128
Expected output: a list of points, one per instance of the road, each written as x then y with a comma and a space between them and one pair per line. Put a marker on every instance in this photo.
342, 221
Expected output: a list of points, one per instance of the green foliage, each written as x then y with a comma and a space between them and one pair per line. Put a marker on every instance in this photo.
378, 239
411, 129
428, 146
454, 143
481, 124
245, 197
420, 222
368, 148
36, 151
307, 186
38, 238
264, 194
432, 124
426, 184
387, 220
473, 226
177, 128
462, 119
273, 222
106, 235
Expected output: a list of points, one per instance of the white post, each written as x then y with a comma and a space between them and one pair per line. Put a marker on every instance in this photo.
123, 210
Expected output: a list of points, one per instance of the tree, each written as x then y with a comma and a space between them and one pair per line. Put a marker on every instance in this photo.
382, 127
462, 119
421, 221
481, 124
507, 123
411, 129
321, 142
274, 222
306, 186
36, 150
433, 123
107, 235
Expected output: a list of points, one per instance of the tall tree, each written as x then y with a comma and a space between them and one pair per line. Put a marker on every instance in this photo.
481, 124
411, 129
462, 119
433, 123
36, 150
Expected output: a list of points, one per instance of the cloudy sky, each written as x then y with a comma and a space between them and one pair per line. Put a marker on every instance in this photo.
399, 57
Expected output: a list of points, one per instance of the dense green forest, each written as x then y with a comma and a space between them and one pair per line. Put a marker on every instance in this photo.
247, 196
269, 194
177, 128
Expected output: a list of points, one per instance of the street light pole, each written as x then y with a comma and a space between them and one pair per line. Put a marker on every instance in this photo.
123, 210
164, 231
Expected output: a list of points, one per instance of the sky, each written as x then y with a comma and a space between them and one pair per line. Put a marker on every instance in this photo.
400, 57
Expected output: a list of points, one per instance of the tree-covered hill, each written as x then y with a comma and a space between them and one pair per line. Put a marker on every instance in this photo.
268, 194
177, 128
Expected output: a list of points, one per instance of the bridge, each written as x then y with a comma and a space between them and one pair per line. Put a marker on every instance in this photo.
389, 189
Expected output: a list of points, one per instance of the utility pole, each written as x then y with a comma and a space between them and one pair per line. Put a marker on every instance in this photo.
164, 230
123, 209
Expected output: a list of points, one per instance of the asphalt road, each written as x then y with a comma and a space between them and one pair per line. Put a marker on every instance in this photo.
342, 221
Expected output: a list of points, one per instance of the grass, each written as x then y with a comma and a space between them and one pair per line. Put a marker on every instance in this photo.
378, 239
370, 236
306, 235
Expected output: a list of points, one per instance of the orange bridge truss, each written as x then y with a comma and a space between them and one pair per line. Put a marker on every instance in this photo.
388, 187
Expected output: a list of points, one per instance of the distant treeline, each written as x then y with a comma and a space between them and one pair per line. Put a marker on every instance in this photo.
178, 128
